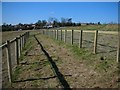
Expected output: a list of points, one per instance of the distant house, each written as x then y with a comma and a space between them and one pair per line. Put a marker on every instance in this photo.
33, 25
83, 23
88, 23
48, 25
20, 29
28, 26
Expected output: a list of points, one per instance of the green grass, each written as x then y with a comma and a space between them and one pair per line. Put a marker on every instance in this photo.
88, 57
105, 65
18, 69
21, 57
27, 48
77, 52
34, 65
16, 73
46, 63
91, 59
35, 83
102, 65
80, 52
28, 44
108, 67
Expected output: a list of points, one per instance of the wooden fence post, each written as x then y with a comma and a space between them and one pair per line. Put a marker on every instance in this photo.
43, 32
57, 35
20, 43
55, 32
48, 32
118, 54
95, 41
17, 51
23, 40
118, 49
61, 34
80, 39
52, 33
8, 51
72, 37
28, 34
65, 34
25, 37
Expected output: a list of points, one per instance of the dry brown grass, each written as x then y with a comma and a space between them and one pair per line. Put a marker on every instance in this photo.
107, 27
87, 70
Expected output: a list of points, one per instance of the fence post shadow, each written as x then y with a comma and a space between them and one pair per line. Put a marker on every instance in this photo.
59, 75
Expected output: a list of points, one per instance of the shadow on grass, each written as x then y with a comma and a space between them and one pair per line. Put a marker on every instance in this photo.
38, 62
36, 33
114, 48
100, 44
59, 75
107, 51
32, 79
93, 43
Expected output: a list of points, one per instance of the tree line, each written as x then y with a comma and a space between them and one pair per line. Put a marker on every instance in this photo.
40, 24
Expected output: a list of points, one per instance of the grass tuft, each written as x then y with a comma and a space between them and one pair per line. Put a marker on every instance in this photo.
16, 73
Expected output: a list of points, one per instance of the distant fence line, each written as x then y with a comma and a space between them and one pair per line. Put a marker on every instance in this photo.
55, 34
19, 44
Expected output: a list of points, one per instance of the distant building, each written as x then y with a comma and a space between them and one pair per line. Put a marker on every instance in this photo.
33, 25
20, 29
28, 26
48, 25
83, 23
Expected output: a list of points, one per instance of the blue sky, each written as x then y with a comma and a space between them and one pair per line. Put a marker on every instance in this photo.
31, 12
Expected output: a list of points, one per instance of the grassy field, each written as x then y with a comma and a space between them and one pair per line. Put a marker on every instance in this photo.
13, 34
113, 27
78, 67
104, 27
